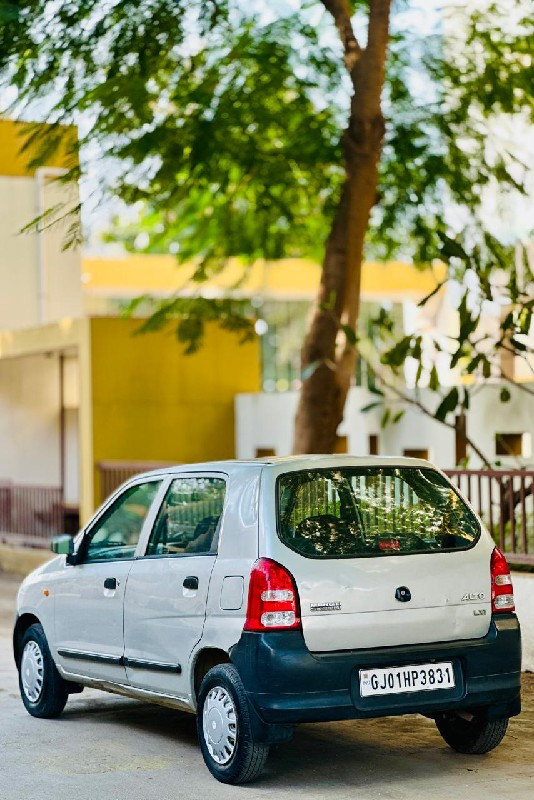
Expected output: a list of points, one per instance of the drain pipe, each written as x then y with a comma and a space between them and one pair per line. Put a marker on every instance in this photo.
41, 173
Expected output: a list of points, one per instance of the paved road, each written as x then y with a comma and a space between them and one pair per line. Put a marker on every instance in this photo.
110, 748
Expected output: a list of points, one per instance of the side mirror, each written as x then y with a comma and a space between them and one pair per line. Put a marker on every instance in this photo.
62, 545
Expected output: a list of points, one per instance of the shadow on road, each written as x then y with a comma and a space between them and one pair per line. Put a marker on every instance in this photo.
360, 752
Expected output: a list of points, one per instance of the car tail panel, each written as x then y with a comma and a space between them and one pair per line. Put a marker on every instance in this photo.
382, 557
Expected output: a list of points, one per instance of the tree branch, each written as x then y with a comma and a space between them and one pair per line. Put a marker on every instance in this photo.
414, 401
340, 11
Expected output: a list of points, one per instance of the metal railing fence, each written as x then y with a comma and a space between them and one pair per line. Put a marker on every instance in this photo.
504, 498
31, 515
112, 474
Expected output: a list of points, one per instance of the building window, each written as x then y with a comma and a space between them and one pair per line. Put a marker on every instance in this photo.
512, 444
342, 445
374, 448
265, 452
415, 452
282, 326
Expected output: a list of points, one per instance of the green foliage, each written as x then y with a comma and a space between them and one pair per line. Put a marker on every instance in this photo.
505, 395
226, 123
189, 317
223, 123
208, 112
370, 406
351, 335
448, 404
445, 95
476, 349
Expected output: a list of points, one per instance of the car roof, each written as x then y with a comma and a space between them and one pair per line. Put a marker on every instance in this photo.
290, 463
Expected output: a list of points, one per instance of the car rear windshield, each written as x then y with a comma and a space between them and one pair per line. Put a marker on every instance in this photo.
372, 511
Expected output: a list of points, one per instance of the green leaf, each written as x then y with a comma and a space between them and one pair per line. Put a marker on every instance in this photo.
374, 389
505, 395
457, 355
398, 416
473, 364
418, 373
447, 405
466, 400
433, 382
385, 418
416, 351
350, 333
330, 303
520, 346
525, 321
451, 248
370, 406
398, 354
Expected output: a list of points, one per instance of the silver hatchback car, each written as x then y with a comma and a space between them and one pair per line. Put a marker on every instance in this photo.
266, 593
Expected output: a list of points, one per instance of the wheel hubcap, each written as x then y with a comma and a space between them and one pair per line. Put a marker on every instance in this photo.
219, 724
31, 671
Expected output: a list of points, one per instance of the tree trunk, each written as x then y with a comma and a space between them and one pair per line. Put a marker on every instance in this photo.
328, 357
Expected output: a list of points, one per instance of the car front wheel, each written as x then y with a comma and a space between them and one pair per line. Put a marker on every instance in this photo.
228, 746
43, 690
472, 734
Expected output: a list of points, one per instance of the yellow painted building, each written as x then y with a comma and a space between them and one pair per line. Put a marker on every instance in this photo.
287, 279
78, 390
80, 394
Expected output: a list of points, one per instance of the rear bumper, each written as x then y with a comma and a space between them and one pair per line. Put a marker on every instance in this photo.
287, 684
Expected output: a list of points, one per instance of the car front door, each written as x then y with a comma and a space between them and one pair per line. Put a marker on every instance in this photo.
89, 599
167, 589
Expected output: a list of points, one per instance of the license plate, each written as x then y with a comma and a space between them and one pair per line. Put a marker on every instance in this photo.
397, 680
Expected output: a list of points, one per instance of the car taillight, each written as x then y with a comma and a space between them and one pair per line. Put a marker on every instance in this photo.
502, 591
273, 601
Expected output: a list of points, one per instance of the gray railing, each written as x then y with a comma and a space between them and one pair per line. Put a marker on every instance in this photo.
31, 515
112, 473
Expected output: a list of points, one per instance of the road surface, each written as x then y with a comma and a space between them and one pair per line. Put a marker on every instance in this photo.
105, 747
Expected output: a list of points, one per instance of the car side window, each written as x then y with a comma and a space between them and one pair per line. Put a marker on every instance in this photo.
116, 533
188, 519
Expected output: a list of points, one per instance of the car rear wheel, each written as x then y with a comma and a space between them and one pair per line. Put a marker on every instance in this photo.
43, 690
228, 746
472, 734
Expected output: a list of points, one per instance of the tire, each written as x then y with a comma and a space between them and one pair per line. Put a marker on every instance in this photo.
225, 734
43, 690
474, 737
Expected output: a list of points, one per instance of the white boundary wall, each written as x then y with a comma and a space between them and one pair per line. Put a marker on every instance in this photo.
524, 600
265, 420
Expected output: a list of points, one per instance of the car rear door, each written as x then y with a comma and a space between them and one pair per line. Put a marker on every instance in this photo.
381, 557
167, 590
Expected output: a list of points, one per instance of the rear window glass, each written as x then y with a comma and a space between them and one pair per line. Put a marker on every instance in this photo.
373, 511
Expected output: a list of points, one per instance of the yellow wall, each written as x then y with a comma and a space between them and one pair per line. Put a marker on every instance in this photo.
288, 278
39, 280
13, 136
153, 403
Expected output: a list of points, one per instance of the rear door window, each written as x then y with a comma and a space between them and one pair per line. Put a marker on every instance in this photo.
188, 520
372, 511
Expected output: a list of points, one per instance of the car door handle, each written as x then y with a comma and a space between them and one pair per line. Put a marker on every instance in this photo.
111, 583
191, 582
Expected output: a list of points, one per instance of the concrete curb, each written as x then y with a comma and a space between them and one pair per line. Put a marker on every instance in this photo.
22, 560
